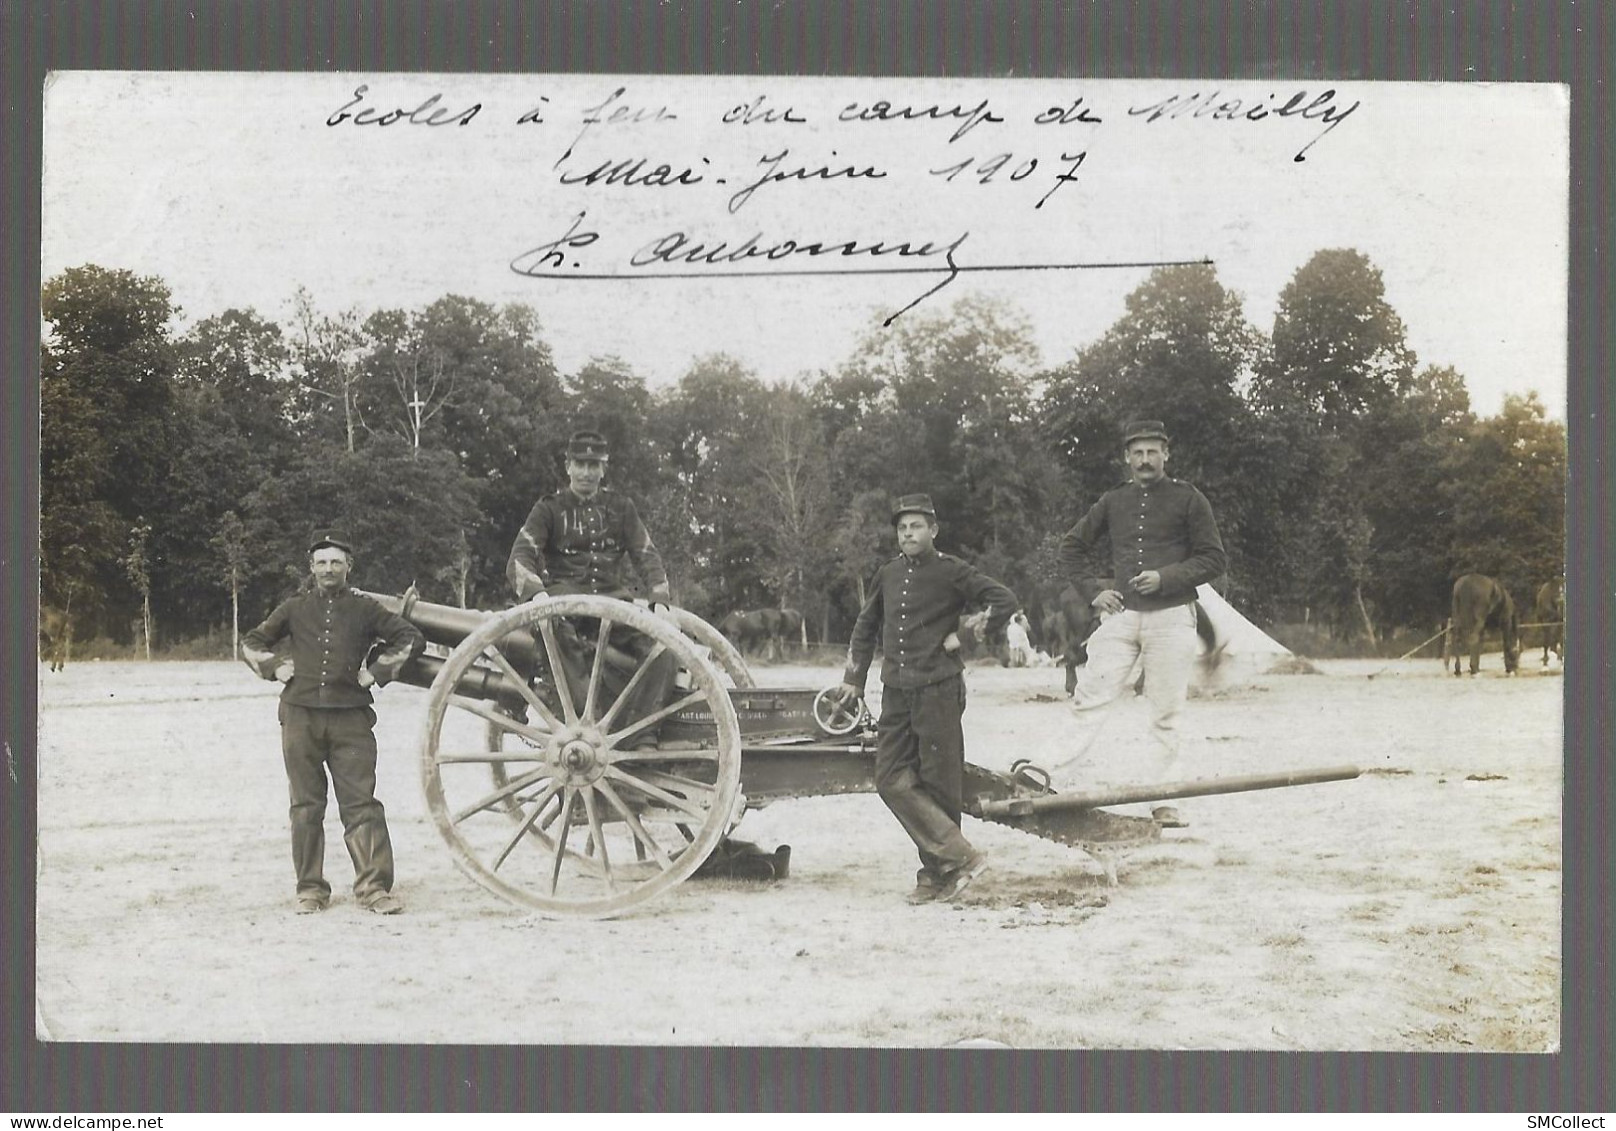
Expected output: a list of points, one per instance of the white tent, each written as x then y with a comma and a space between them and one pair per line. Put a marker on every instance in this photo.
1242, 649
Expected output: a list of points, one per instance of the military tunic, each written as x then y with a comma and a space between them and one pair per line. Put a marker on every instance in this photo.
1167, 527
574, 545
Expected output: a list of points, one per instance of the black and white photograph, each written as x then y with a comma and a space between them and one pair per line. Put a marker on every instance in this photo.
802, 560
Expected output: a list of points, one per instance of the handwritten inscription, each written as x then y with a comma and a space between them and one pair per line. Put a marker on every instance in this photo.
1220, 109
808, 172
428, 113
617, 139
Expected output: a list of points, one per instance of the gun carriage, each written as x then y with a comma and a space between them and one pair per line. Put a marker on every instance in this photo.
549, 795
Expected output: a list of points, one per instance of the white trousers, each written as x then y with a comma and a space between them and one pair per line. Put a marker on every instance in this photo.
1165, 644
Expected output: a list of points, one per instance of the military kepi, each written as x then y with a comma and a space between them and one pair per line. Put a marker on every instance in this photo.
913, 504
327, 536
1143, 430
587, 444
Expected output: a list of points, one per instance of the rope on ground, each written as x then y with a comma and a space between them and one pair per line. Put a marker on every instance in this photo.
1439, 634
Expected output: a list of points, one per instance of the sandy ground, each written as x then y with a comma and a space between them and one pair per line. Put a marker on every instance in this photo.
1415, 908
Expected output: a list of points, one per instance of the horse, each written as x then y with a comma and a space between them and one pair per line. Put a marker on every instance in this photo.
55, 636
1549, 612
1078, 619
1478, 601
761, 629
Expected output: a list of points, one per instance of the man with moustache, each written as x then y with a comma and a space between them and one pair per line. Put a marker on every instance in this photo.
1164, 542
327, 720
914, 607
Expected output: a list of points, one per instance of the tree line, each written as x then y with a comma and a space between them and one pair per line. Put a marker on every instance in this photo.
181, 473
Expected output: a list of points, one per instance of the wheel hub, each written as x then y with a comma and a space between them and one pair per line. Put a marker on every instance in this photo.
580, 761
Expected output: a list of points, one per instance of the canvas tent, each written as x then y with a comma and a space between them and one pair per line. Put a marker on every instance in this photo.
1243, 649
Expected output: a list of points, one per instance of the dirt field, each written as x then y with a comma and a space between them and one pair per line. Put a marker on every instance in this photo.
1416, 908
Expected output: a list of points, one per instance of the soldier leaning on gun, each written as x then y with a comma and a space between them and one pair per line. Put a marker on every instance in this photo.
326, 719
914, 605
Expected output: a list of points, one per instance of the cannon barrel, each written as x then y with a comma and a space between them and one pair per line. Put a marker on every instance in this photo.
447, 625
1164, 791
477, 683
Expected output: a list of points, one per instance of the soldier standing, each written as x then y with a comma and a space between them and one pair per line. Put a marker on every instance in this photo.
914, 607
327, 720
1164, 542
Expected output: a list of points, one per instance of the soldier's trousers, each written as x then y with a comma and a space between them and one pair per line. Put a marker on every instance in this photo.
313, 738
920, 770
1164, 644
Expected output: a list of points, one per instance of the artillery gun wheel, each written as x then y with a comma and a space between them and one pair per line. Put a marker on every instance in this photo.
540, 799
724, 654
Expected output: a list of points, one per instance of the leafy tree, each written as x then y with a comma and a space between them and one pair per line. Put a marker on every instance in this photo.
1338, 363
106, 428
405, 510
1506, 483
232, 432
504, 423
707, 425
1339, 349
953, 419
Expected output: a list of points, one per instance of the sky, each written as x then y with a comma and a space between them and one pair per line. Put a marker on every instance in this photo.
236, 189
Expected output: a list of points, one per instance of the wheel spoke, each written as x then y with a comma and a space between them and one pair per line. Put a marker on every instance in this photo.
662, 795
515, 785
650, 720
676, 782
643, 840
599, 836
489, 756
532, 697
596, 668
489, 713
541, 803
561, 837
558, 670
633, 682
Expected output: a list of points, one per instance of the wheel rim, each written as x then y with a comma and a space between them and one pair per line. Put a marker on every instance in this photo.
539, 799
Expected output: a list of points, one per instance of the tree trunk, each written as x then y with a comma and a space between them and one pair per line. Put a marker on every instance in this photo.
145, 622
1363, 611
235, 619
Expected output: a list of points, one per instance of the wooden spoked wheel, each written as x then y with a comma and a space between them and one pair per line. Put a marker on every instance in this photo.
540, 792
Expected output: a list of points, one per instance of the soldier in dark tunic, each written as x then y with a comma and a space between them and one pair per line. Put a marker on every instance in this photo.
914, 608
1164, 542
327, 720
578, 541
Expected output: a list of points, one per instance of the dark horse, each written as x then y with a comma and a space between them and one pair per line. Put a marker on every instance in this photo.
1479, 601
1549, 612
55, 637
1074, 621
762, 629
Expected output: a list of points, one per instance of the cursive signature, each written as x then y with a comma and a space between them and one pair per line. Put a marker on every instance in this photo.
679, 255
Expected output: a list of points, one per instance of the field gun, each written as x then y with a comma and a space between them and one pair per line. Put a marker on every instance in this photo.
550, 795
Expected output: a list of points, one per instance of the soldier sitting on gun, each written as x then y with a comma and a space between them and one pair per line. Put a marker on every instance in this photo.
576, 541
